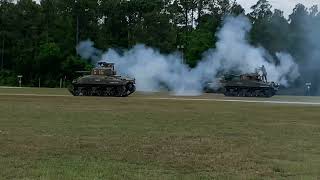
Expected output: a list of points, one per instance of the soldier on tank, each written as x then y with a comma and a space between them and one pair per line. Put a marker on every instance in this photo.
264, 73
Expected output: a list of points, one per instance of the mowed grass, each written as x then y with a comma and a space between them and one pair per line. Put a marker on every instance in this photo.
43, 137
38, 91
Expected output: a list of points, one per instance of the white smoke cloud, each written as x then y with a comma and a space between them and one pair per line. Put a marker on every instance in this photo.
87, 51
152, 69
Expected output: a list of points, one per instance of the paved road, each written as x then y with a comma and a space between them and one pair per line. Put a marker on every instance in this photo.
147, 97
238, 100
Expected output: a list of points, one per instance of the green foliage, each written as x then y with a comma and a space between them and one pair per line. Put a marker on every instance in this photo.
39, 40
8, 78
201, 39
48, 51
73, 64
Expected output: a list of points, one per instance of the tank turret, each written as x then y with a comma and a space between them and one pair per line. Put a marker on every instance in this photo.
102, 81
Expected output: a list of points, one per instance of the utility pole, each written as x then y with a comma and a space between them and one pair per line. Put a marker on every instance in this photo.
47, 33
76, 8
64, 81
181, 48
77, 38
20, 80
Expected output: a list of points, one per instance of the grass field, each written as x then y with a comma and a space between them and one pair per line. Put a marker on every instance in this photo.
65, 137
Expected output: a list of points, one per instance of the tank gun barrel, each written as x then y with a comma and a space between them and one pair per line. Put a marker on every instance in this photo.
82, 72
102, 64
105, 64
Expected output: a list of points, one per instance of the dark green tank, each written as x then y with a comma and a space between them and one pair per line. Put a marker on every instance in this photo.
103, 81
248, 85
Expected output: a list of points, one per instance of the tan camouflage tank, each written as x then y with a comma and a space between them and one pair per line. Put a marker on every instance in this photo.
248, 85
103, 81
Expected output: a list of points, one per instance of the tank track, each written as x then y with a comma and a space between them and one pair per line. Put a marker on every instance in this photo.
249, 92
103, 91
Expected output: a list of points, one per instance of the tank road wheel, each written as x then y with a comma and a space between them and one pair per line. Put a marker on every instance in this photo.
227, 93
261, 93
243, 93
256, 93
253, 93
100, 92
120, 91
85, 92
80, 92
268, 93
230, 92
237, 92
133, 89
248, 93
233, 92
90, 92
105, 92
94, 91
112, 91
130, 88
76, 92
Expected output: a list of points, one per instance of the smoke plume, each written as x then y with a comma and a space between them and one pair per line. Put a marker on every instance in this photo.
309, 50
154, 70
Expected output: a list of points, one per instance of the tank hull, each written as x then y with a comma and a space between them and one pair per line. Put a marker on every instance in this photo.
265, 92
103, 81
247, 85
102, 90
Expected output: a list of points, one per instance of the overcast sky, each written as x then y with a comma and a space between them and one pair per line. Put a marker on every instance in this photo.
284, 5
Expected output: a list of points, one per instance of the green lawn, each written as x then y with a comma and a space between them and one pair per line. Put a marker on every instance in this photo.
43, 137
50, 91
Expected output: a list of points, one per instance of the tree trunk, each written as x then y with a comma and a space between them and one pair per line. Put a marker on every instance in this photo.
2, 53
200, 8
192, 17
77, 33
186, 14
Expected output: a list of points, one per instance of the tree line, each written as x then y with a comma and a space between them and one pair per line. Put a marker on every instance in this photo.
38, 40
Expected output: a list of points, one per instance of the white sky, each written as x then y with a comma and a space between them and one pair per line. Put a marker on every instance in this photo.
284, 5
